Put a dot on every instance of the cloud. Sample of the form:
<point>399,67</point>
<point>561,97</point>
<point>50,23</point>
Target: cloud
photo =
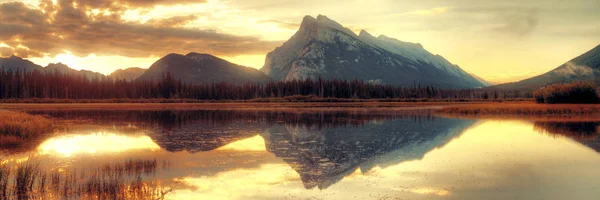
<point>70,25</point>
<point>279,23</point>
<point>518,22</point>
<point>432,11</point>
<point>173,21</point>
<point>133,3</point>
<point>573,69</point>
<point>6,51</point>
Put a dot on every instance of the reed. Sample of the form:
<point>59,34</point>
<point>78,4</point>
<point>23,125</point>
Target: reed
<point>25,178</point>
<point>18,127</point>
<point>4,179</point>
<point>522,109</point>
<point>124,180</point>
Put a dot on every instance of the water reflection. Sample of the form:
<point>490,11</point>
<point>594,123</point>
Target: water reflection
<point>584,132</point>
<point>68,145</point>
<point>323,156</point>
<point>356,154</point>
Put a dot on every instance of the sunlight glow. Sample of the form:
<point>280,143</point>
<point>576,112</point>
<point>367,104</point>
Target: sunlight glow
<point>231,184</point>
<point>15,160</point>
<point>256,143</point>
<point>97,63</point>
<point>70,145</point>
<point>427,191</point>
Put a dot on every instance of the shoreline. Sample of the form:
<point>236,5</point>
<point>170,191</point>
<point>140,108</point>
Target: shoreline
<point>222,105</point>
<point>450,109</point>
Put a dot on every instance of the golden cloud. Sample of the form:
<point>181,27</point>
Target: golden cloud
<point>70,25</point>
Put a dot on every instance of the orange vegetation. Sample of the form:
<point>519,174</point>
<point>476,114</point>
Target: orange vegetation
<point>17,127</point>
<point>577,92</point>
<point>522,109</point>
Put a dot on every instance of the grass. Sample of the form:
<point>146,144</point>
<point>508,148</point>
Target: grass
<point>4,179</point>
<point>109,181</point>
<point>18,127</point>
<point>522,109</point>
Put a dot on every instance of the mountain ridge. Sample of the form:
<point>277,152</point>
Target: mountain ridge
<point>322,48</point>
<point>17,63</point>
<point>131,73</point>
<point>198,68</point>
<point>585,67</point>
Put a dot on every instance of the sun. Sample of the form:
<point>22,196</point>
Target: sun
<point>68,59</point>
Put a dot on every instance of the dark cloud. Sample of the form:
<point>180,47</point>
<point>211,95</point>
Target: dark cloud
<point>60,27</point>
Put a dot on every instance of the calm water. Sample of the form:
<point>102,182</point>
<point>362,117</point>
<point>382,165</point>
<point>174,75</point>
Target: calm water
<point>323,154</point>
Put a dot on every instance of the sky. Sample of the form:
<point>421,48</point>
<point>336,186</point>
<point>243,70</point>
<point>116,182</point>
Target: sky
<point>500,41</point>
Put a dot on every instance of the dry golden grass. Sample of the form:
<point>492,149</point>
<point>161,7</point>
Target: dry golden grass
<point>17,127</point>
<point>522,109</point>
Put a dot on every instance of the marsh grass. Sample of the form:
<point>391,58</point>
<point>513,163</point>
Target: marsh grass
<point>125,180</point>
<point>25,179</point>
<point>522,109</point>
<point>18,127</point>
<point>4,179</point>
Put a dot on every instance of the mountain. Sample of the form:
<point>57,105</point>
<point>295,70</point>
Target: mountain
<point>64,69</point>
<point>323,48</point>
<point>581,68</point>
<point>17,63</point>
<point>14,63</point>
<point>202,68</point>
<point>483,81</point>
<point>127,74</point>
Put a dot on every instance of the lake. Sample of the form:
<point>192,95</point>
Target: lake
<point>326,153</point>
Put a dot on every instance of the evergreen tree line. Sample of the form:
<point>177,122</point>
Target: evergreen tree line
<point>22,84</point>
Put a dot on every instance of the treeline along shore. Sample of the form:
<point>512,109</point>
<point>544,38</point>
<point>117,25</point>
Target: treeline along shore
<point>56,87</point>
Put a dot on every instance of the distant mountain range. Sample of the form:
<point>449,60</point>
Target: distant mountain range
<point>15,63</point>
<point>127,74</point>
<point>323,48</point>
<point>202,68</point>
<point>585,67</point>
<point>483,81</point>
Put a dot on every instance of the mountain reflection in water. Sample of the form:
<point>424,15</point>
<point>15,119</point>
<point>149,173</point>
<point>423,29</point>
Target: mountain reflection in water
<point>330,154</point>
<point>323,156</point>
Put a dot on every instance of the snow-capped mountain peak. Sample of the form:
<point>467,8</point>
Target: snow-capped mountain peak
<point>324,48</point>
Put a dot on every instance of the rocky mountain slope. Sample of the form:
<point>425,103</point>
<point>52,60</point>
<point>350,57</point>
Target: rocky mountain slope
<point>323,48</point>
<point>585,67</point>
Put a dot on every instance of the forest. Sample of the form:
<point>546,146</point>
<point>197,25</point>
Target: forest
<point>56,85</point>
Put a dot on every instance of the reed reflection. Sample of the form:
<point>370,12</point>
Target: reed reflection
<point>585,132</point>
